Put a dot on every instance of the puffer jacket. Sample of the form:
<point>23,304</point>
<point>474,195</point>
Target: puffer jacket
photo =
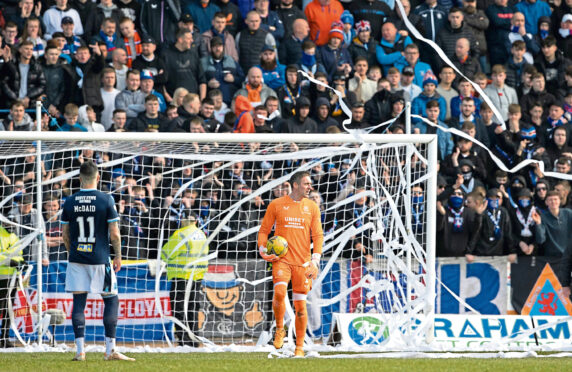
<point>36,80</point>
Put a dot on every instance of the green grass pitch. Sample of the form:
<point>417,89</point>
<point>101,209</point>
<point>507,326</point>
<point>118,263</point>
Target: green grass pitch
<point>259,362</point>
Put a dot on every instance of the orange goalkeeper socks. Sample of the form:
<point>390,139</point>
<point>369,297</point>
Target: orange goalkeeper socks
<point>301,322</point>
<point>278,305</point>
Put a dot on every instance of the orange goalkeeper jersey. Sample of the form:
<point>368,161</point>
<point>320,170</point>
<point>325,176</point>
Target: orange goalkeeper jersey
<point>299,222</point>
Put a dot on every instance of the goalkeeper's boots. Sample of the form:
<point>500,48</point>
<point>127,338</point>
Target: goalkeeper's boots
<point>279,338</point>
<point>79,357</point>
<point>116,355</point>
<point>299,352</point>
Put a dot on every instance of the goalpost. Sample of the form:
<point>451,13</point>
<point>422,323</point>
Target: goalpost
<point>379,250</point>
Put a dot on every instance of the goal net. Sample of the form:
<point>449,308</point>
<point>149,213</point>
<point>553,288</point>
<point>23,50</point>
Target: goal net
<point>375,193</point>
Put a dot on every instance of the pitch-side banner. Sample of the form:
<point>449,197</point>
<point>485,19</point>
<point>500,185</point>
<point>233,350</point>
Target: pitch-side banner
<point>139,316</point>
<point>460,332</point>
<point>234,299</point>
<point>482,285</point>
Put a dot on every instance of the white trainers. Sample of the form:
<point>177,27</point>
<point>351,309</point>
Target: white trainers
<point>79,357</point>
<point>116,355</point>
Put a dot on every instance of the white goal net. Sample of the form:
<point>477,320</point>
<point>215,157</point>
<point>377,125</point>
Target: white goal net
<point>375,193</point>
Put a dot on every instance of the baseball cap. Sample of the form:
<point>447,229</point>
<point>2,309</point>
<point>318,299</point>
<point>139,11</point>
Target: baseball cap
<point>267,47</point>
<point>148,40</point>
<point>67,20</point>
<point>567,18</point>
<point>339,76</point>
<point>408,70</point>
<point>146,74</point>
<point>186,18</point>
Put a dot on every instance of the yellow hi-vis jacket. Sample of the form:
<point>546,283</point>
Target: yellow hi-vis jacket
<point>183,251</point>
<point>8,251</point>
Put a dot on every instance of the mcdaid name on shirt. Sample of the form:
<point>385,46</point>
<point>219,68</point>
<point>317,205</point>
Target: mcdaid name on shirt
<point>84,208</point>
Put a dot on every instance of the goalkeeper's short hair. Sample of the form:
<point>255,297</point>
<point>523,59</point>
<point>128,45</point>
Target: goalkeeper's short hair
<point>296,177</point>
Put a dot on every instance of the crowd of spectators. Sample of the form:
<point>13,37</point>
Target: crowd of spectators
<point>233,66</point>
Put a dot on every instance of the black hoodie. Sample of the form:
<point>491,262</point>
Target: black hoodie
<point>298,125</point>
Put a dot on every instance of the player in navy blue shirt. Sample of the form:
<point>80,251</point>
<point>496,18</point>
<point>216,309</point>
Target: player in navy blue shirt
<point>90,225</point>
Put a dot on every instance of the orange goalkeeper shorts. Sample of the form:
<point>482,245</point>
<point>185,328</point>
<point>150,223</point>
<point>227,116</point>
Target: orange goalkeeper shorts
<point>283,272</point>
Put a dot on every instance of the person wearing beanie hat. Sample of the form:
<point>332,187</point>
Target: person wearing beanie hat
<point>430,78</point>
<point>337,30</point>
<point>362,25</point>
<point>347,20</point>
<point>391,48</point>
<point>363,44</point>
<point>334,57</point>
<point>429,93</point>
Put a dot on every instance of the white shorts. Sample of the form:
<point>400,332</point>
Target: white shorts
<point>91,278</point>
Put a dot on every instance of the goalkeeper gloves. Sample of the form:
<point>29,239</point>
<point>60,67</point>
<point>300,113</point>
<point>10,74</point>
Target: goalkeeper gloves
<point>313,267</point>
<point>265,256</point>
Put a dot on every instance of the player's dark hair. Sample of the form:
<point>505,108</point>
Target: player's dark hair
<point>88,171</point>
<point>296,177</point>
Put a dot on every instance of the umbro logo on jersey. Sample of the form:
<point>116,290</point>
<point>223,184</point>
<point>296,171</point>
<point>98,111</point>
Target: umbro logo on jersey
<point>286,207</point>
<point>154,6</point>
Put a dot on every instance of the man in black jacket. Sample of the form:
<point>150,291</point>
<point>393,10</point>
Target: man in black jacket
<point>60,81</point>
<point>495,236</point>
<point>150,61</point>
<point>301,122</point>
<point>552,64</point>
<point>288,14</point>
<point>378,108</point>
<point>182,62</point>
<point>322,115</point>
<point>27,66</point>
<point>89,70</point>
<point>159,19</point>
<point>453,31</point>
<point>290,49</point>
<point>457,226</point>
<point>149,120</point>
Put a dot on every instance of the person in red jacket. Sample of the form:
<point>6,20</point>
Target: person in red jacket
<point>244,122</point>
<point>321,14</point>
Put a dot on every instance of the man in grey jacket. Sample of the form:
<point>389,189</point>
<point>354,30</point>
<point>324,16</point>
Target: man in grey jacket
<point>553,235</point>
<point>132,100</point>
<point>500,94</point>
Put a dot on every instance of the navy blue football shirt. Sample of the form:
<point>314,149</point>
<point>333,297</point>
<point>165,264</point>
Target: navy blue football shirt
<point>88,213</point>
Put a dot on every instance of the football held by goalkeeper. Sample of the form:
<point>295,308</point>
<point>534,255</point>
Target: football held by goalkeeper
<point>297,219</point>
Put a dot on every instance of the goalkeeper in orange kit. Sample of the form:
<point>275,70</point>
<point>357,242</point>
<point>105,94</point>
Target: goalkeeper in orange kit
<point>298,220</point>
